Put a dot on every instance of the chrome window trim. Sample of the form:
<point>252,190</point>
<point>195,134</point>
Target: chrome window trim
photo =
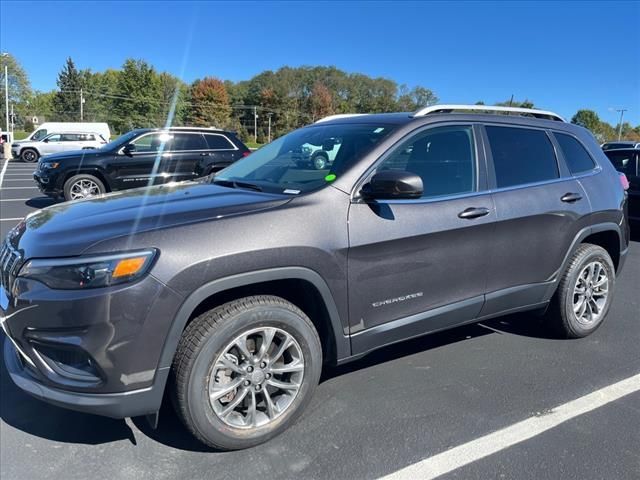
<point>134,154</point>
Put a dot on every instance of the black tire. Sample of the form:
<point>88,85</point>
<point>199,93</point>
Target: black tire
<point>29,155</point>
<point>560,316</point>
<point>320,161</point>
<point>203,343</point>
<point>72,181</point>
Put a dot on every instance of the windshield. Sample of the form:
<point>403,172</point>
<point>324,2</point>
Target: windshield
<point>304,160</point>
<point>120,141</point>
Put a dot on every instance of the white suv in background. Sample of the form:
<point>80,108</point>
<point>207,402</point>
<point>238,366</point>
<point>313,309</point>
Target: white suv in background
<point>30,151</point>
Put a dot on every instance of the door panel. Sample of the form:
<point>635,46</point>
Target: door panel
<point>538,216</point>
<point>187,148</point>
<point>407,257</point>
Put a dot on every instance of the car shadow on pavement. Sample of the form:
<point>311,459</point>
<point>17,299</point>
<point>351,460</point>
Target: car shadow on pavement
<point>41,202</point>
<point>32,416</point>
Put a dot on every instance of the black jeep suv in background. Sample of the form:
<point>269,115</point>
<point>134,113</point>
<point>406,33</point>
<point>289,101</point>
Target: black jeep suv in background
<point>230,293</point>
<point>139,158</point>
<point>627,161</point>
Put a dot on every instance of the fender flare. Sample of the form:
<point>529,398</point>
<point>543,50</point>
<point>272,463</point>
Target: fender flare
<point>342,342</point>
<point>580,236</point>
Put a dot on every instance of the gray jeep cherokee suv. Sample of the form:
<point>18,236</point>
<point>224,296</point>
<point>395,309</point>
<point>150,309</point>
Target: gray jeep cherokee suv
<point>230,293</point>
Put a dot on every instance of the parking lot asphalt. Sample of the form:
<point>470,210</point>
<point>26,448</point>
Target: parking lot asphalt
<point>399,406</point>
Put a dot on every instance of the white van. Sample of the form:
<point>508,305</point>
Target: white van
<point>62,127</point>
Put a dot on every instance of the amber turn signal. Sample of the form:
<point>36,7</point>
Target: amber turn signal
<point>128,266</point>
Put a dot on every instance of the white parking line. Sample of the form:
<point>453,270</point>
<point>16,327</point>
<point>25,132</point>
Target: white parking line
<point>2,172</point>
<point>10,219</point>
<point>19,188</point>
<point>14,199</point>
<point>479,448</point>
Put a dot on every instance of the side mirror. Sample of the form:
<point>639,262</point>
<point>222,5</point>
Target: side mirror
<point>129,148</point>
<point>46,140</point>
<point>393,184</point>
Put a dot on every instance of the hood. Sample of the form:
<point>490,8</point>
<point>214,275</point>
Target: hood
<point>70,228</point>
<point>73,154</point>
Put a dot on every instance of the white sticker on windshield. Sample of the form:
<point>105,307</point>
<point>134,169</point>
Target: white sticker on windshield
<point>378,130</point>
<point>291,192</point>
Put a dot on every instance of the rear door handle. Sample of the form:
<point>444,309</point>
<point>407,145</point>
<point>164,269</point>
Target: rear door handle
<point>473,212</point>
<point>571,197</point>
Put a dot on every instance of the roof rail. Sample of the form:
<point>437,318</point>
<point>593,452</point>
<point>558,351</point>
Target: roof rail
<point>339,115</point>
<point>490,109</point>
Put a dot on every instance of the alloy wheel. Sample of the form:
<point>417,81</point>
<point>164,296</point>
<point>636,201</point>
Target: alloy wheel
<point>84,188</point>
<point>590,293</point>
<point>256,378</point>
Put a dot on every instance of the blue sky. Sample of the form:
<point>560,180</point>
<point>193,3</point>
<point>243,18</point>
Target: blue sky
<point>563,56</point>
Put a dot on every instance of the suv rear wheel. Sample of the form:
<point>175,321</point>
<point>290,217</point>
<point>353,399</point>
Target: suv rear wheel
<point>584,294</point>
<point>245,371</point>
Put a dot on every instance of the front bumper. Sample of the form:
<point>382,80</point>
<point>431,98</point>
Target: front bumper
<point>47,184</point>
<point>95,351</point>
<point>115,405</point>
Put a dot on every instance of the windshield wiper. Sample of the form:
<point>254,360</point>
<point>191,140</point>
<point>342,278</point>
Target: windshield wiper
<point>236,184</point>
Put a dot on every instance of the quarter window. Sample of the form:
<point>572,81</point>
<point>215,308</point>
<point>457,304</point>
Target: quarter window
<point>218,142</point>
<point>443,157</point>
<point>521,156</point>
<point>577,158</point>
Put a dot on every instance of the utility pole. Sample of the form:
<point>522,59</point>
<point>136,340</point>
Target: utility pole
<point>621,110</point>
<point>81,105</point>
<point>255,125</point>
<point>12,120</point>
<point>6,96</point>
<point>269,136</point>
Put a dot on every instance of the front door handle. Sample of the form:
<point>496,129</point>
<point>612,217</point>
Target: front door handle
<point>473,212</point>
<point>571,197</point>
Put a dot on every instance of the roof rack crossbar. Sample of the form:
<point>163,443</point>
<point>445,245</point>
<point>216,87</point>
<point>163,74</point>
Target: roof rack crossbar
<point>488,108</point>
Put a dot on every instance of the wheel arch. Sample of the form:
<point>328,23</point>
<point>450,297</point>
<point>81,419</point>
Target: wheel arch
<point>301,286</point>
<point>88,171</point>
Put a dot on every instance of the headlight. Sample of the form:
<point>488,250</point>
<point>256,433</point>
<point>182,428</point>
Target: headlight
<point>49,165</point>
<point>89,272</point>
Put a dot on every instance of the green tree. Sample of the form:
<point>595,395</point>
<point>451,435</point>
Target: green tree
<point>210,103</point>
<point>418,97</point>
<point>587,119</point>
<point>19,87</point>
<point>526,103</point>
<point>66,103</point>
<point>139,98</point>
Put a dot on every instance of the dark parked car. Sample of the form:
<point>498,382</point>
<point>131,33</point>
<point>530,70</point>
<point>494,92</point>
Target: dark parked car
<point>627,161</point>
<point>139,158</point>
<point>230,293</point>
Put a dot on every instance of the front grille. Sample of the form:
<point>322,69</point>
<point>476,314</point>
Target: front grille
<point>10,262</point>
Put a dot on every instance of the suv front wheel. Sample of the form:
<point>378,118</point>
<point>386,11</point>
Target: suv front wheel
<point>584,294</point>
<point>245,371</point>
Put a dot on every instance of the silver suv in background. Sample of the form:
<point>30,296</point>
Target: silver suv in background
<point>30,151</point>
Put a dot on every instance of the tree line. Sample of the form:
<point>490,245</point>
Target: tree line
<point>137,95</point>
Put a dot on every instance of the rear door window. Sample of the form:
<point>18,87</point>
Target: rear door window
<point>218,142</point>
<point>521,156</point>
<point>188,141</point>
<point>577,158</point>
